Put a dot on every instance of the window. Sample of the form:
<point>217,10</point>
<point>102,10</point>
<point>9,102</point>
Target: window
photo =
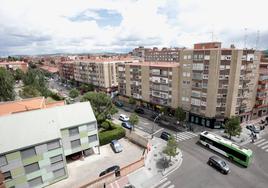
<point>91,127</point>
<point>31,168</point>
<point>35,182</point>
<point>7,175</point>
<point>75,143</point>
<point>3,161</point>
<point>56,159</point>
<point>92,138</point>
<point>53,145</point>
<point>59,173</point>
<point>28,153</point>
<point>73,131</point>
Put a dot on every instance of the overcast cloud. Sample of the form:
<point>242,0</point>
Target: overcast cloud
<point>54,26</point>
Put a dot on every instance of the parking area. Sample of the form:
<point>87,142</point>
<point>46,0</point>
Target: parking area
<point>87,169</point>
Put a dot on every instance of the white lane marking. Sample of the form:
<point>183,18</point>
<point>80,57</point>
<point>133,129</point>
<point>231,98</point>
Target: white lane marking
<point>162,180</point>
<point>158,131</point>
<point>192,134</point>
<point>259,141</point>
<point>264,147</point>
<point>266,150</point>
<point>171,186</point>
<point>262,144</point>
<point>165,184</point>
<point>185,136</point>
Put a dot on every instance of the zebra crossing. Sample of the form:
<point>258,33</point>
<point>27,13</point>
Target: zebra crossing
<point>165,183</point>
<point>184,136</point>
<point>262,144</point>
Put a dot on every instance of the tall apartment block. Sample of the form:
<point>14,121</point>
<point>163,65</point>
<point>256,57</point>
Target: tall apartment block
<point>66,70</point>
<point>210,82</point>
<point>43,139</point>
<point>261,105</point>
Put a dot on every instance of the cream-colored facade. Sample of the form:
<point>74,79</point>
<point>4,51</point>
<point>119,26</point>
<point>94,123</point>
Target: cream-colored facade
<point>211,84</point>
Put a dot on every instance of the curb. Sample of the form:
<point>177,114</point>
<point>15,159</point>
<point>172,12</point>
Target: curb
<point>172,169</point>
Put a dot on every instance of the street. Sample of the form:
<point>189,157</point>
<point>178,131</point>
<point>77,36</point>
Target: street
<point>196,173</point>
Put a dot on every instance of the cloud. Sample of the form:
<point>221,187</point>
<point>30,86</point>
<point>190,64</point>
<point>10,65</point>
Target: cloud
<point>35,26</point>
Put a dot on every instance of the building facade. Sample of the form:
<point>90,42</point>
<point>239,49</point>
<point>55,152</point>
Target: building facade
<point>13,65</point>
<point>210,83</point>
<point>66,70</point>
<point>163,55</point>
<point>38,157</point>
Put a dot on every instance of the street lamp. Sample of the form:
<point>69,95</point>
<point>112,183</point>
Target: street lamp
<point>157,117</point>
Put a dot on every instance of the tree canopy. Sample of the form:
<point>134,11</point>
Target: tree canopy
<point>232,127</point>
<point>74,93</point>
<point>131,100</point>
<point>18,74</point>
<point>134,119</point>
<point>86,88</point>
<point>101,104</point>
<point>171,148</point>
<point>29,92</point>
<point>7,83</point>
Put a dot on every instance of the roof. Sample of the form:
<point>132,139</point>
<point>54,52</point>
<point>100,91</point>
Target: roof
<point>49,69</point>
<point>12,107</point>
<point>30,128</point>
<point>155,64</point>
<point>13,63</point>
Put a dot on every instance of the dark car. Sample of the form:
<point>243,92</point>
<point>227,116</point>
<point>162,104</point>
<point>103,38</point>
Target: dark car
<point>114,168</point>
<point>154,116</point>
<point>219,164</point>
<point>127,125</point>
<point>139,111</point>
<point>165,135</point>
<point>252,128</point>
<point>118,104</point>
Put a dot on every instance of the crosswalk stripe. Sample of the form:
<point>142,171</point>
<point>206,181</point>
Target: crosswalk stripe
<point>165,184</point>
<point>192,134</point>
<point>162,180</point>
<point>262,143</point>
<point>266,150</point>
<point>171,186</point>
<point>259,141</point>
<point>184,136</point>
<point>264,147</point>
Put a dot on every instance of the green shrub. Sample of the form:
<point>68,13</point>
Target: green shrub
<point>105,125</point>
<point>55,96</point>
<point>107,136</point>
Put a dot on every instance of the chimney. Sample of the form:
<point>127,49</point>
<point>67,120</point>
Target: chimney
<point>232,46</point>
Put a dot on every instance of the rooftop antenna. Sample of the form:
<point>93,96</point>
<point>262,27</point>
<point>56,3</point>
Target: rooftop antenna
<point>257,39</point>
<point>245,38</point>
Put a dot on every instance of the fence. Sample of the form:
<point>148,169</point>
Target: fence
<point>109,178</point>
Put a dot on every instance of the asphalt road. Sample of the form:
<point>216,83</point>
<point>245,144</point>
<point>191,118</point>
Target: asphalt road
<point>195,173</point>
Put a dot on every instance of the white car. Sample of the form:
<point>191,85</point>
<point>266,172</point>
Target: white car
<point>123,117</point>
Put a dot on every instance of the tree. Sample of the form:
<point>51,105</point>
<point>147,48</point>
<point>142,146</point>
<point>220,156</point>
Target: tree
<point>232,127</point>
<point>171,148</point>
<point>7,83</point>
<point>74,93</point>
<point>131,100</point>
<point>101,104</point>
<point>180,115</point>
<point>134,120</point>
<point>86,88</point>
<point>29,92</point>
<point>36,79</point>
<point>18,74</point>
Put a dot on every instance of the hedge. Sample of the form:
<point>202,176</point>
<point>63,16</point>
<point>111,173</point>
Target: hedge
<point>107,136</point>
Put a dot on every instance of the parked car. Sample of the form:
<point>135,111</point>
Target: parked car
<point>123,117</point>
<point>114,168</point>
<point>219,164</point>
<point>165,135</point>
<point>127,125</point>
<point>139,111</point>
<point>252,128</point>
<point>116,146</point>
<point>153,116</point>
<point>118,104</point>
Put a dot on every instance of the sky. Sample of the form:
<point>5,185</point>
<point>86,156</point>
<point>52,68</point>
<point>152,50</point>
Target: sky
<point>30,27</point>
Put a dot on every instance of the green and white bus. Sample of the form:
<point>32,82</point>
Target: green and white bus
<point>227,148</point>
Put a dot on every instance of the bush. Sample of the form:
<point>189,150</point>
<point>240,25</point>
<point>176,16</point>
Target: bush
<point>107,136</point>
<point>55,96</point>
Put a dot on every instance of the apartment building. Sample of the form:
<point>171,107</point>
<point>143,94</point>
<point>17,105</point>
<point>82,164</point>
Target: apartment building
<point>66,70</point>
<point>13,65</point>
<point>101,72</point>
<point>162,55</point>
<point>261,105</point>
<point>212,83</point>
<point>43,140</point>
<point>150,82</point>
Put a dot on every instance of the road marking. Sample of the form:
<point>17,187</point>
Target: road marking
<point>171,186</point>
<point>158,131</point>
<point>262,143</point>
<point>162,180</point>
<point>192,133</point>
<point>184,136</point>
<point>264,147</point>
<point>259,141</point>
<point>266,150</point>
<point>165,184</point>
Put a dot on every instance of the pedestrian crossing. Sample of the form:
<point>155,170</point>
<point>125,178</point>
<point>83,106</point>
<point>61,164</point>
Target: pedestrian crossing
<point>165,183</point>
<point>184,136</point>
<point>262,144</point>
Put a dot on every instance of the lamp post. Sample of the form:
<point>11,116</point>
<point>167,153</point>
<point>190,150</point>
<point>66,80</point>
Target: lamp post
<point>157,117</point>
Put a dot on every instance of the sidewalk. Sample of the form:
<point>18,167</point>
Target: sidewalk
<point>154,169</point>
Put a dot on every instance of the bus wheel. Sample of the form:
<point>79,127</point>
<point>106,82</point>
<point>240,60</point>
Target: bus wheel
<point>231,158</point>
<point>207,145</point>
